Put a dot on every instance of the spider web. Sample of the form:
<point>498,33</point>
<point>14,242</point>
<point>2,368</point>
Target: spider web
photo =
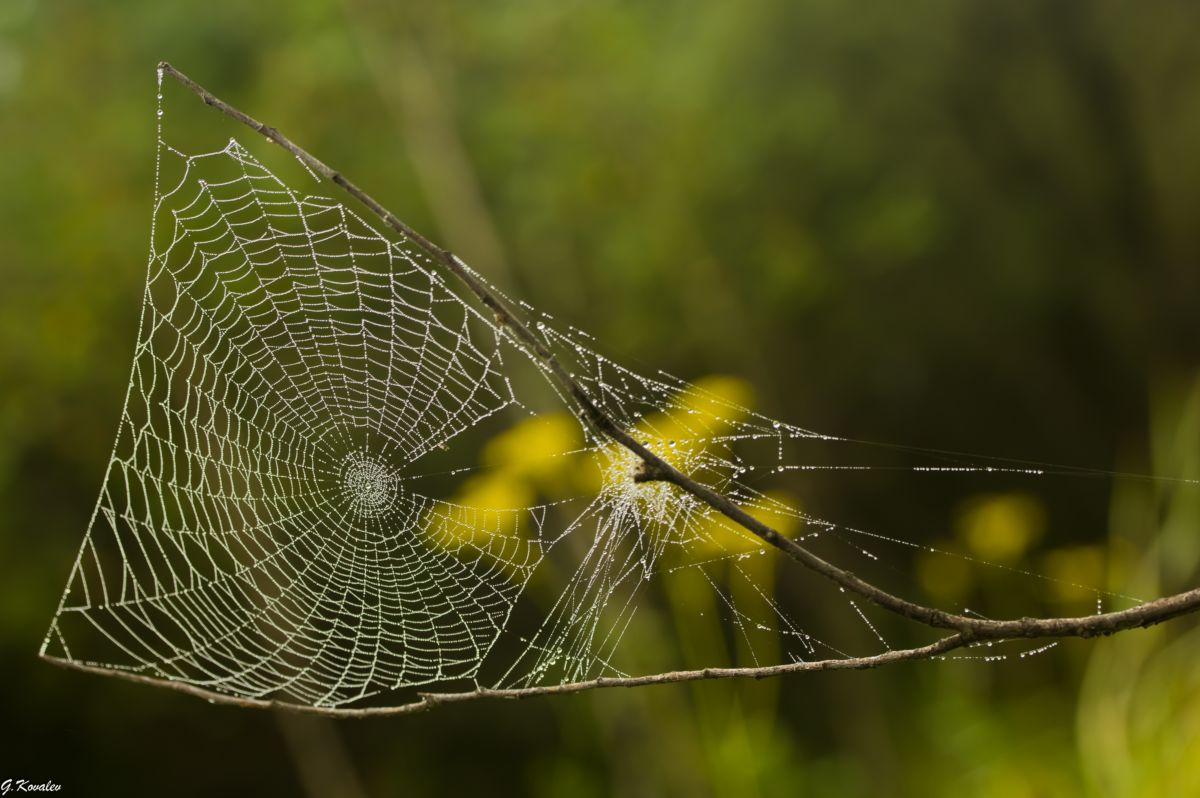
<point>278,518</point>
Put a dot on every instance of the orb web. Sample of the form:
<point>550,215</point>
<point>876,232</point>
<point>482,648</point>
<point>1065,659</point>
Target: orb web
<point>270,523</point>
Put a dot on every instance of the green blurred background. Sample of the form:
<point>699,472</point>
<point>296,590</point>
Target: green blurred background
<point>959,225</point>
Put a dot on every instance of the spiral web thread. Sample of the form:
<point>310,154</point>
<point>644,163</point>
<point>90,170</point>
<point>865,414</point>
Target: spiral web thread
<point>262,529</point>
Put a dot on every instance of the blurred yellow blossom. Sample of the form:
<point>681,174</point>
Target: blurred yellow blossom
<point>534,449</point>
<point>1001,527</point>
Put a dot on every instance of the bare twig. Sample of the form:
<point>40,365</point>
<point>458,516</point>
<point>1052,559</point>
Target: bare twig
<point>966,630</point>
<point>427,701</point>
<point>1148,614</point>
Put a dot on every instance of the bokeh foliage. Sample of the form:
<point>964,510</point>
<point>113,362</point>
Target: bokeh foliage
<point>955,224</point>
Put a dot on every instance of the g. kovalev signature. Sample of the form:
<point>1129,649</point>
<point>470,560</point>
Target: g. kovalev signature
<point>25,785</point>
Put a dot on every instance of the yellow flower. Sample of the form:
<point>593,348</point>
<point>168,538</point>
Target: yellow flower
<point>1000,528</point>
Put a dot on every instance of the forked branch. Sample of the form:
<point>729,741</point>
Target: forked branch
<point>964,630</point>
